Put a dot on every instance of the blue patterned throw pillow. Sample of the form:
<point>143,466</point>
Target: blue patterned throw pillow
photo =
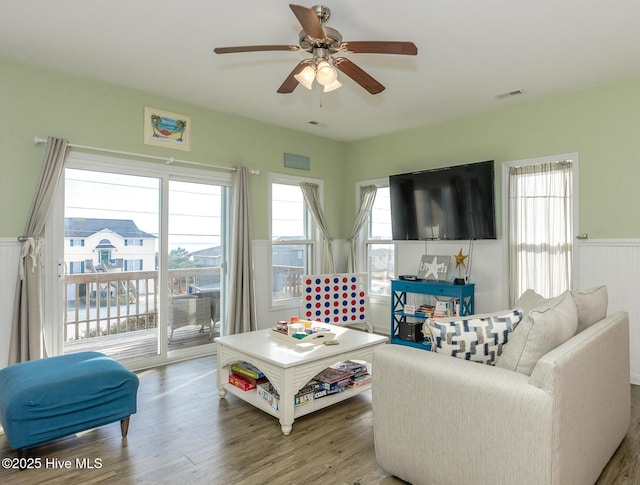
<point>479,338</point>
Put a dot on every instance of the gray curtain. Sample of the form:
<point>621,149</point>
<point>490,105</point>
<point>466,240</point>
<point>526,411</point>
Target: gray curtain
<point>27,339</point>
<point>311,195</point>
<point>242,295</point>
<point>367,197</point>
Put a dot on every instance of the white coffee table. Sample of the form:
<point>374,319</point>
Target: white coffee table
<point>289,368</point>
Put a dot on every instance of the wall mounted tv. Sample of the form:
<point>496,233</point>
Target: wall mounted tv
<point>455,203</point>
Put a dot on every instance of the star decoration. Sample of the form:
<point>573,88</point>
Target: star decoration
<point>432,269</point>
<point>460,259</point>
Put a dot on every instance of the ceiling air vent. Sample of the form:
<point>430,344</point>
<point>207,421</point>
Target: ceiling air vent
<point>509,94</point>
<point>319,124</point>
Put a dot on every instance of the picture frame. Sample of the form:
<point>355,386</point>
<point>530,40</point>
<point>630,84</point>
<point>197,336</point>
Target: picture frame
<point>167,129</point>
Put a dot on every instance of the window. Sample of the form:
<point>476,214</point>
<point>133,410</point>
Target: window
<point>378,244</point>
<point>76,267</point>
<point>133,242</point>
<point>133,264</point>
<point>540,207</point>
<point>292,242</point>
<point>76,243</point>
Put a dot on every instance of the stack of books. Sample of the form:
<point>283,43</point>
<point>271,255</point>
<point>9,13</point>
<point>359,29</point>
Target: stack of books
<point>269,394</point>
<point>340,376</point>
<point>426,310</point>
<point>447,307</point>
<point>245,376</point>
<point>334,379</point>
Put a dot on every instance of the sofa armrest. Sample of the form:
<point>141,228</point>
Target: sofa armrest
<point>589,376</point>
<point>439,419</point>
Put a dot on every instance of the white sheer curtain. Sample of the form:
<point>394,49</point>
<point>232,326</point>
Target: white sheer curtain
<point>242,299</point>
<point>311,195</point>
<point>27,339</point>
<point>367,198</point>
<point>540,228</point>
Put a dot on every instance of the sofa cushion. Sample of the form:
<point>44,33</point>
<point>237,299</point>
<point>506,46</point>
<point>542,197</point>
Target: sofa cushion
<point>529,300</point>
<point>591,304</point>
<point>479,338</point>
<point>545,327</point>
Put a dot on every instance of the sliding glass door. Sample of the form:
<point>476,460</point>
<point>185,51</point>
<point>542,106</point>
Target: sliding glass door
<point>111,294</point>
<point>195,261</point>
<point>144,249</point>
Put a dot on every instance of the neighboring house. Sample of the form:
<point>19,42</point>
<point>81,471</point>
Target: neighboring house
<point>381,260</point>
<point>107,245</point>
<point>206,258</point>
<point>288,256</point>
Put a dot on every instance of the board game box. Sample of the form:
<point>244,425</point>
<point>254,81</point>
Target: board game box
<point>242,382</point>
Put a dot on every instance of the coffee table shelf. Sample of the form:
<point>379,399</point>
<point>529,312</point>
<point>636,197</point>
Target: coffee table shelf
<point>255,400</point>
<point>289,369</point>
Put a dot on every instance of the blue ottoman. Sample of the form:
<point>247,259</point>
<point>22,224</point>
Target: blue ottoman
<point>41,400</point>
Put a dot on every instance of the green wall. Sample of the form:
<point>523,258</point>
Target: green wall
<point>40,102</point>
<point>601,123</point>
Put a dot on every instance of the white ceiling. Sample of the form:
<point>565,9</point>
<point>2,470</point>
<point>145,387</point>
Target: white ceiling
<point>469,51</point>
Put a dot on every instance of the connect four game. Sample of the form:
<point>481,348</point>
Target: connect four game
<point>338,299</point>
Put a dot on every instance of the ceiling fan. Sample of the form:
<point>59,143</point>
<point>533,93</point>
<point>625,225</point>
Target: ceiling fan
<point>323,42</point>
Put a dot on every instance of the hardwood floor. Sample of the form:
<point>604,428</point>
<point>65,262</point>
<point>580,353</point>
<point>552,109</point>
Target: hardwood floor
<point>184,433</point>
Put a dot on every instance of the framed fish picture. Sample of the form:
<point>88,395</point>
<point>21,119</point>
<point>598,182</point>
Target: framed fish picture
<point>165,129</point>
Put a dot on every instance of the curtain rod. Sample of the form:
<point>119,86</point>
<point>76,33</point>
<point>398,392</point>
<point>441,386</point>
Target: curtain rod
<point>168,160</point>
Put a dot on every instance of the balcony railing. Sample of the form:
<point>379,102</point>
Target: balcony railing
<point>287,282</point>
<point>117,302</point>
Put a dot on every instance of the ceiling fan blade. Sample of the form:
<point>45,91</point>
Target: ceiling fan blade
<point>255,48</point>
<point>290,83</point>
<point>380,47</point>
<point>358,75</point>
<point>309,21</point>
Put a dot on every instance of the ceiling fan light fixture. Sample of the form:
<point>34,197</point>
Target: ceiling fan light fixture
<point>306,77</point>
<point>326,74</point>
<point>323,42</point>
<point>333,86</point>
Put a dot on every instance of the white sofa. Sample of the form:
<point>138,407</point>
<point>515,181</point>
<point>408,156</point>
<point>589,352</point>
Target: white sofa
<point>443,420</point>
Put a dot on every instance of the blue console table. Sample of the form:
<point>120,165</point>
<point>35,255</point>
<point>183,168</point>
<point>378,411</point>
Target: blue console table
<point>401,288</point>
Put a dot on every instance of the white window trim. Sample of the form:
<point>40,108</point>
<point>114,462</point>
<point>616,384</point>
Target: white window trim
<point>280,178</point>
<point>505,207</point>
<point>362,235</point>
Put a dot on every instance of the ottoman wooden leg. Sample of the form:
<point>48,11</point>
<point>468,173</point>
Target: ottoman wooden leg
<point>124,426</point>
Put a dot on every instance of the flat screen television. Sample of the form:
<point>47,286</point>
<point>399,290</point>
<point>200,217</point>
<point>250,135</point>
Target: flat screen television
<point>455,203</point>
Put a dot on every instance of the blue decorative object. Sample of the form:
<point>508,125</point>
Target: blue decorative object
<point>411,323</point>
<point>46,399</point>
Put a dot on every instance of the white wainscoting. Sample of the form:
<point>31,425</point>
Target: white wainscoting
<point>9,255</point>
<point>486,272</point>
<point>616,264</point>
